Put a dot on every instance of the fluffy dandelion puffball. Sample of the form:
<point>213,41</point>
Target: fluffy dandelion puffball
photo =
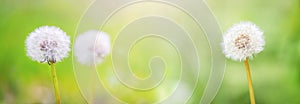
<point>47,44</point>
<point>91,47</point>
<point>243,40</point>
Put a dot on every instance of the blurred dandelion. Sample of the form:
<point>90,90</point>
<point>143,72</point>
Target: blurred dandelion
<point>48,44</point>
<point>241,42</point>
<point>91,47</point>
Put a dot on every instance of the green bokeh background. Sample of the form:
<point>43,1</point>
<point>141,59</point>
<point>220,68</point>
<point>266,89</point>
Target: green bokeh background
<point>275,71</point>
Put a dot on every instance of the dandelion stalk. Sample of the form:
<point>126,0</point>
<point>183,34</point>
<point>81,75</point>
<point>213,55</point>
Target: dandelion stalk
<point>93,85</point>
<point>251,91</point>
<point>55,83</point>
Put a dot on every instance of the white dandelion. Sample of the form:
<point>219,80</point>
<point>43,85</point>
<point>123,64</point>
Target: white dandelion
<point>91,47</point>
<point>47,44</point>
<point>242,41</point>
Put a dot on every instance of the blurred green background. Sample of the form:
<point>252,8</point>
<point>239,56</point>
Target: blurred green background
<point>275,71</point>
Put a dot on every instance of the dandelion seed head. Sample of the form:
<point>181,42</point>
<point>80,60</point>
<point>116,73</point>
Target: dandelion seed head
<point>242,41</point>
<point>47,44</point>
<point>91,47</point>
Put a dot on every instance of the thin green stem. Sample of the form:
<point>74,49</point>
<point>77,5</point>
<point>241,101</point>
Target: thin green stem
<point>55,83</point>
<point>93,85</point>
<point>251,91</point>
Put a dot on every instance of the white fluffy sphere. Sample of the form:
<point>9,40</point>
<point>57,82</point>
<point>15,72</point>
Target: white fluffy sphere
<point>243,40</point>
<point>47,44</point>
<point>91,47</point>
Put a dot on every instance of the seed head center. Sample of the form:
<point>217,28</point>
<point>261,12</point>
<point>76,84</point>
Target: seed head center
<point>242,41</point>
<point>48,45</point>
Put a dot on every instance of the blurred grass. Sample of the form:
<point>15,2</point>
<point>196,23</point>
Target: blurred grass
<point>275,71</point>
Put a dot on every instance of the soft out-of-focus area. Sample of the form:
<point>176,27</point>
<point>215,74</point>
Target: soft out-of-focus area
<point>275,71</point>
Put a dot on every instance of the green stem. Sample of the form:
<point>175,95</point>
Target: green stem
<point>55,83</point>
<point>93,85</point>
<point>251,91</point>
